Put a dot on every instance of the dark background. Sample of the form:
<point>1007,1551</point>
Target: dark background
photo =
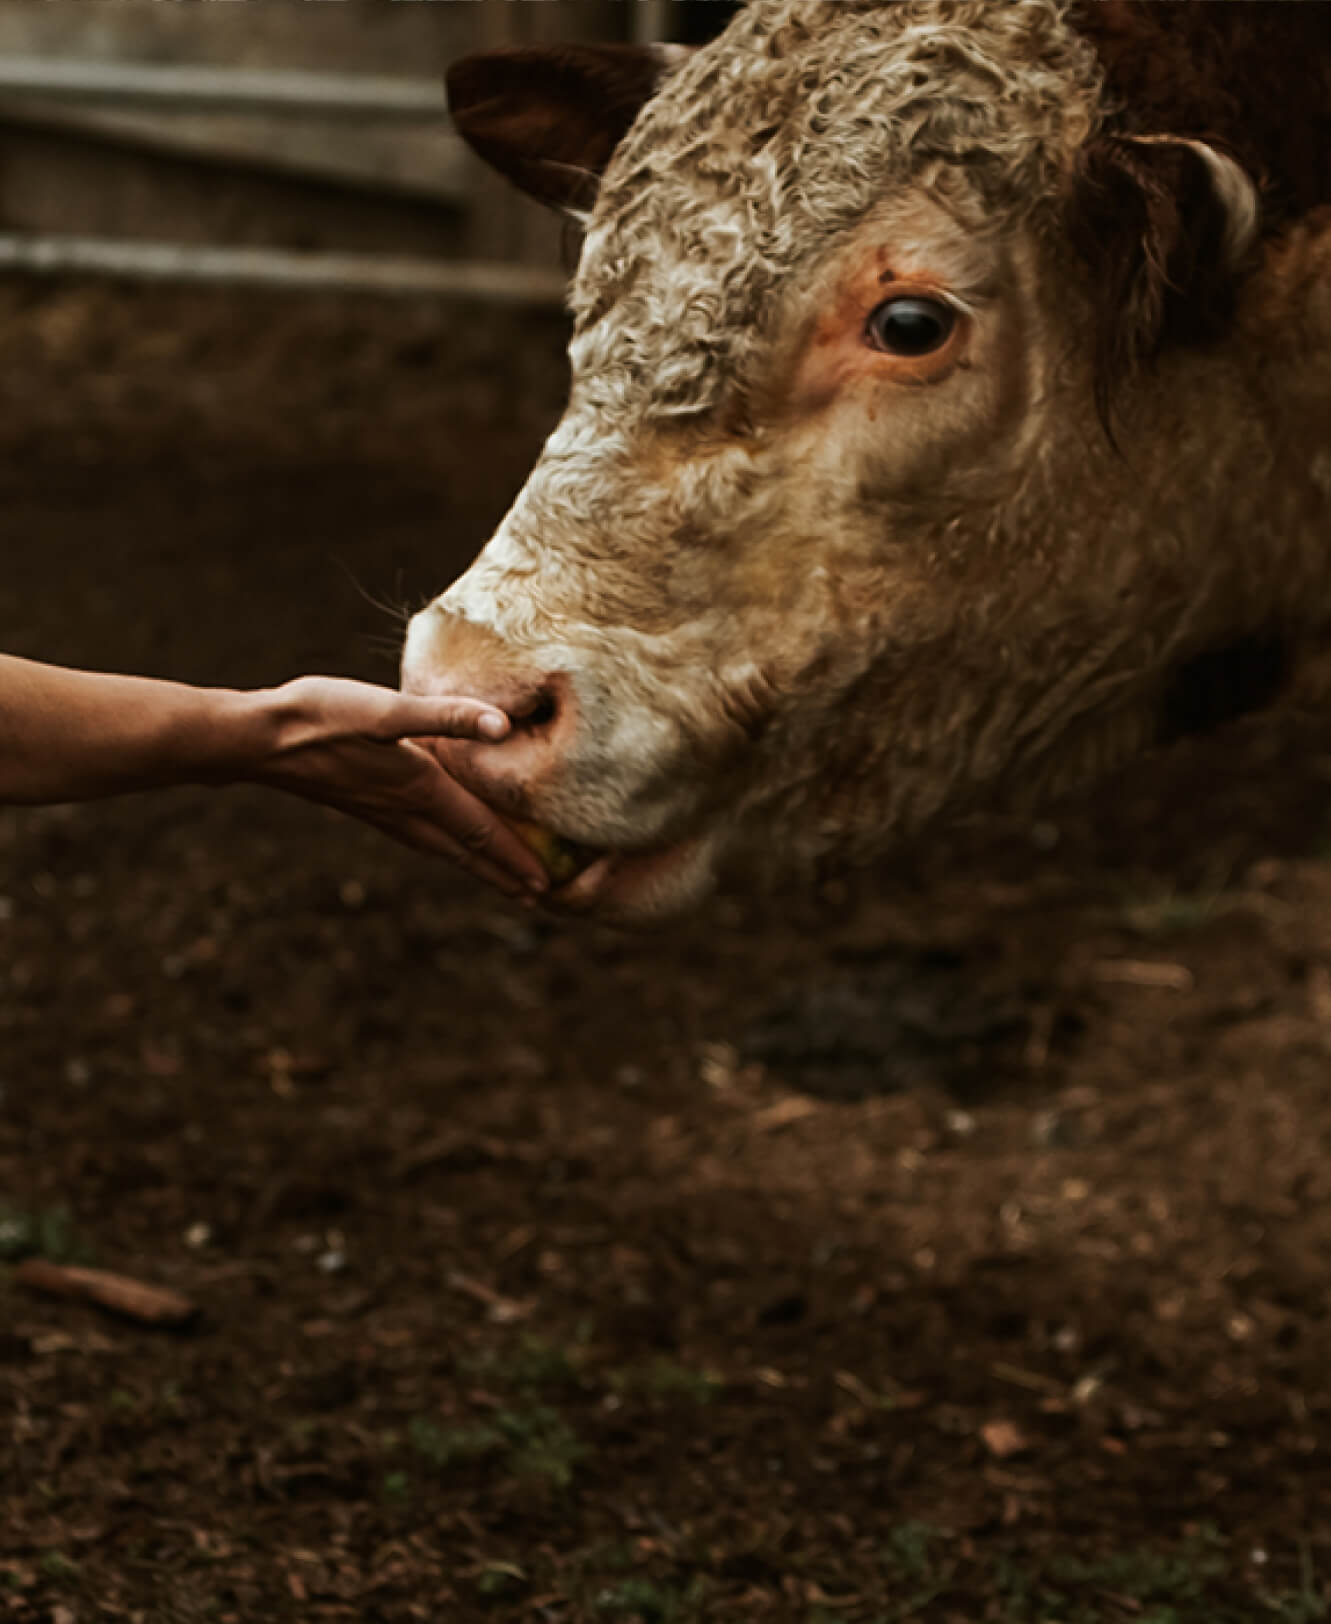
<point>946,1242</point>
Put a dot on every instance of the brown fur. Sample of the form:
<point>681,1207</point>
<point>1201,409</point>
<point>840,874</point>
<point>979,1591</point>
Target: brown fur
<point>1253,78</point>
<point>575,105</point>
<point>1256,86</point>
<point>807,595</point>
<point>1146,219</point>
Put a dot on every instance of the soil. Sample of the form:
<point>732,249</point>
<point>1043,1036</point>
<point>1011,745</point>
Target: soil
<point>948,1243</point>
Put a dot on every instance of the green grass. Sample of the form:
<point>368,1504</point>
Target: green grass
<point>1190,1582</point>
<point>1167,1577</point>
<point>924,1574</point>
<point>541,1444</point>
<point>533,1365</point>
<point>910,1548</point>
<point>1151,1586</point>
<point>56,1565</point>
<point>1173,913</point>
<point>1306,1604</point>
<point>650,1600</point>
<point>49,1234</point>
<point>447,1447</point>
<point>919,1568</point>
<point>166,1404</point>
<point>532,1442</point>
<point>665,1378</point>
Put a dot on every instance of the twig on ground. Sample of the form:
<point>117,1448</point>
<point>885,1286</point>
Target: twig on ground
<point>150,1305</point>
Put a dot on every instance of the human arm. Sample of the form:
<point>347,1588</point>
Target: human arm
<point>78,735</point>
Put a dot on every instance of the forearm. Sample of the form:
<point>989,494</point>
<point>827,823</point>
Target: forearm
<point>75,735</point>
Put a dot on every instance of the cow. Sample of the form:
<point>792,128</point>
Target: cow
<point>949,421</point>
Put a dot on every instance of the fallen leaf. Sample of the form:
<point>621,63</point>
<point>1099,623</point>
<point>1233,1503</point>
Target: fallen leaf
<point>1142,973</point>
<point>502,1310</point>
<point>1003,1438</point>
<point>784,1112</point>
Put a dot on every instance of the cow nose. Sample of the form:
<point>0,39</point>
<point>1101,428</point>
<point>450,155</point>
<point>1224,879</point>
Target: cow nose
<point>514,773</point>
<point>540,711</point>
<point>445,654</point>
<point>542,718</point>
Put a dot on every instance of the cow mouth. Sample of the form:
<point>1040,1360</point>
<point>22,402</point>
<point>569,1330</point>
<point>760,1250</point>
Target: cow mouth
<point>563,860</point>
<point>638,885</point>
<point>625,885</point>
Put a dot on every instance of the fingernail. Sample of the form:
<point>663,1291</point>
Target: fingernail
<point>493,725</point>
<point>539,883</point>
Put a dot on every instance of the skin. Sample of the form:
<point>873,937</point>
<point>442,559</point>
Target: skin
<point>80,735</point>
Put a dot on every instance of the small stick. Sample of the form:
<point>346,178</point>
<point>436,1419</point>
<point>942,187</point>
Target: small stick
<point>1141,973</point>
<point>151,1305</point>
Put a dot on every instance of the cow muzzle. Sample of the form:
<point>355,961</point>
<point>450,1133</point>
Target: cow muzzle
<point>548,779</point>
<point>445,654</point>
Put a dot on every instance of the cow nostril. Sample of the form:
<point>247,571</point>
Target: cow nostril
<point>543,710</point>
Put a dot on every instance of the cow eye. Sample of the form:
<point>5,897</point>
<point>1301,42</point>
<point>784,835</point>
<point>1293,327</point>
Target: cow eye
<point>910,326</point>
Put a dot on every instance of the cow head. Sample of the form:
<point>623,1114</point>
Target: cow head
<point>908,449</point>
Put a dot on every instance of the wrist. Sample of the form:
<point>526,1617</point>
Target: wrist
<point>236,735</point>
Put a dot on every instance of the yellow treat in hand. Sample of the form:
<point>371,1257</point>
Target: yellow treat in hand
<point>562,859</point>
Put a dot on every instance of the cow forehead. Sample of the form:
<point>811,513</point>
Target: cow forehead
<point>773,141</point>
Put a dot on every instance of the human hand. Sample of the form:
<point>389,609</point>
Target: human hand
<point>349,745</point>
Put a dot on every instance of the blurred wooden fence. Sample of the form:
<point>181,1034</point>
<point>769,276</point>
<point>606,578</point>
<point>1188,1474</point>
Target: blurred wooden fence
<point>297,145</point>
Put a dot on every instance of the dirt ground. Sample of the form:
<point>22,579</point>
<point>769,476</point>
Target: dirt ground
<point>950,1244</point>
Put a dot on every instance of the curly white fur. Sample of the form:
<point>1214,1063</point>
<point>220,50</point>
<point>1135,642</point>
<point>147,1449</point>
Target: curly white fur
<point>758,155</point>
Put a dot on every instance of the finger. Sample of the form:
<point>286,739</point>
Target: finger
<point>423,836</point>
<point>482,868</point>
<point>402,787</point>
<point>450,716</point>
<point>478,832</point>
<point>500,879</point>
<point>472,824</point>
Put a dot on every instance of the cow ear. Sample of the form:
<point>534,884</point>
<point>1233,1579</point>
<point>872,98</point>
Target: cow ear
<point>1165,226</point>
<point>548,118</point>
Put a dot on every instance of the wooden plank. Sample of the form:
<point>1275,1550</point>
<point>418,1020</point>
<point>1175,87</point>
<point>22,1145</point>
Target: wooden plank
<point>66,183</point>
<point>280,268</point>
<point>245,89</point>
<point>651,22</point>
<point>427,164</point>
